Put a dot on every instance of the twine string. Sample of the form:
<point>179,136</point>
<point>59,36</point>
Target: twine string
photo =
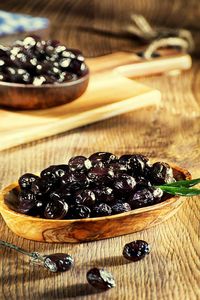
<point>159,37</point>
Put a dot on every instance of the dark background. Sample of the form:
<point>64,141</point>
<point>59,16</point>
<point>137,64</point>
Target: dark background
<point>79,22</point>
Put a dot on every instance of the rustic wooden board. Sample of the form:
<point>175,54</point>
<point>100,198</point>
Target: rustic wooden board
<point>108,94</point>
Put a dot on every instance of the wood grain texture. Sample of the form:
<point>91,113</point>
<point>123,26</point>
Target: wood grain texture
<point>170,133</point>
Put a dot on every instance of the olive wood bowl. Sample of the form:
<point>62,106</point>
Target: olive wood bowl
<point>27,96</point>
<point>82,230</point>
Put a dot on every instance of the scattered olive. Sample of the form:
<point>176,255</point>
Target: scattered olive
<point>136,250</point>
<point>58,262</point>
<point>100,279</point>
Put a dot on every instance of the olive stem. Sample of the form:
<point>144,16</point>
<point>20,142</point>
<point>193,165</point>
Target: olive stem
<point>33,255</point>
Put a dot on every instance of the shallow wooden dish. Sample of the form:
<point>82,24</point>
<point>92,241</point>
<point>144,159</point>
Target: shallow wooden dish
<point>82,230</point>
<point>27,96</point>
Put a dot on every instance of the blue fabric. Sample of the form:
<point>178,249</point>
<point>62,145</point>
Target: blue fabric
<point>11,23</point>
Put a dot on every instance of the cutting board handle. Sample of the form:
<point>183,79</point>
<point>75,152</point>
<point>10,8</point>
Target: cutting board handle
<point>156,66</point>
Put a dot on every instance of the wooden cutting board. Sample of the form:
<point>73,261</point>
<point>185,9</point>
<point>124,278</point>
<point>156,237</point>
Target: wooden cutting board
<point>109,93</point>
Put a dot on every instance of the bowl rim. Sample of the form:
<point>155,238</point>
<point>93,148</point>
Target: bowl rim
<point>13,185</point>
<point>48,85</point>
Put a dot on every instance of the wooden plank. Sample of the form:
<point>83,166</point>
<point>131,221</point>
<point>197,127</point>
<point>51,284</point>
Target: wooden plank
<point>108,94</point>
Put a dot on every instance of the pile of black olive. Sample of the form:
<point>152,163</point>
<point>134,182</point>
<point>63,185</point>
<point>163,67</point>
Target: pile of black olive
<point>101,185</point>
<point>35,61</point>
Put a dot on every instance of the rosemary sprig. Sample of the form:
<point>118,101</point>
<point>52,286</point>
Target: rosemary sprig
<point>184,183</point>
<point>181,188</point>
<point>181,191</point>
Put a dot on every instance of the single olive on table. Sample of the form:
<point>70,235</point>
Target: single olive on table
<point>100,279</point>
<point>57,262</point>
<point>98,186</point>
<point>35,73</point>
<point>136,250</point>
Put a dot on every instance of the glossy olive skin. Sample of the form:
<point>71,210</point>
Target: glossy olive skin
<point>56,209</point>
<point>38,62</point>
<point>100,279</point>
<point>26,181</point>
<point>58,262</point>
<point>96,186</point>
<point>136,250</point>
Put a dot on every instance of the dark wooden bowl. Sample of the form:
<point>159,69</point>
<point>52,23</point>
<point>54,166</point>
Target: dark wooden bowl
<point>27,96</point>
<point>82,230</point>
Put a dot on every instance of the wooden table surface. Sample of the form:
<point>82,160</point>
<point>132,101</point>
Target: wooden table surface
<point>170,133</point>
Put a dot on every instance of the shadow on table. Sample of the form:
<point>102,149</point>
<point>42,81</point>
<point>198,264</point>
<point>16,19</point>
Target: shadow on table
<point>72,291</point>
<point>110,261</point>
<point>27,276</point>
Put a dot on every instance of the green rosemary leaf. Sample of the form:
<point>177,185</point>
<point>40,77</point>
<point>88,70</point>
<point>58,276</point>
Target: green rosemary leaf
<point>181,191</point>
<point>184,183</point>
